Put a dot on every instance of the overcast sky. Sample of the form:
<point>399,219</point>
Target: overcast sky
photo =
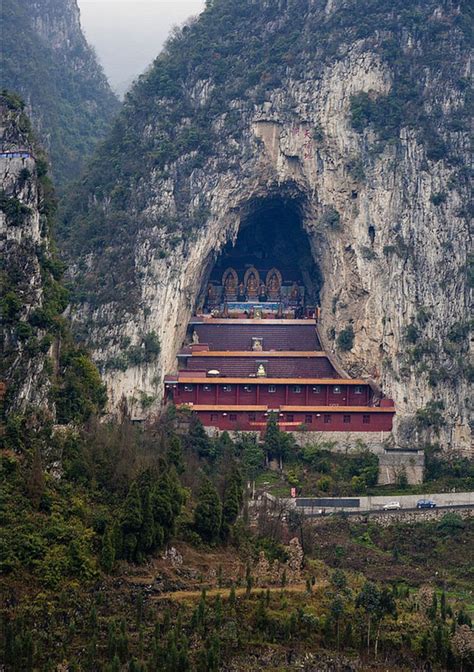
<point>127,34</point>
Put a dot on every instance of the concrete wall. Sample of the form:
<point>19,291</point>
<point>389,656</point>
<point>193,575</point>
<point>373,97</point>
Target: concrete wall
<point>394,464</point>
<point>406,501</point>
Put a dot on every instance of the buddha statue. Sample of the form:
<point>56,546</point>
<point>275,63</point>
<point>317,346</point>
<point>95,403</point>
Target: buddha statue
<point>261,373</point>
<point>274,287</point>
<point>295,293</point>
<point>241,292</point>
<point>230,286</point>
<point>252,286</point>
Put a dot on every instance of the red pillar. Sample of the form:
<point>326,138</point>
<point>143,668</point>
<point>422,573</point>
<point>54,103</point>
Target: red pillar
<point>196,395</point>
<point>306,390</point>
<point>258,394</point>
<point>286,395</point>
<point>238,395</point>
<point>327,396</point>
<point>217,394</point>
<point>347,394</point>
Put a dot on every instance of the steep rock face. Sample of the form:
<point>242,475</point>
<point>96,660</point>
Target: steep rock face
<point>46,59</point>
<point>25,259</point>
<point>45,373</point>
<point>357,115</point>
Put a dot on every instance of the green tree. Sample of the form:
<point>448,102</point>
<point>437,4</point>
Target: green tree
<point>36,484</point>
<point>276,443</point>
<point>233,500</point>
<point>175,454</point>
<point>208,513</point>
<point>132,520</point>
<point>336,610</point>
<point>198,441</point>
<point>107,555</point>
<point>252,458</point>
<point>147,536</point>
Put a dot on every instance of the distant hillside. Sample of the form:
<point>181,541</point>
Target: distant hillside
<point>46,59</point>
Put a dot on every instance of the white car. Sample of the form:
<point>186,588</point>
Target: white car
<point>391,506</point>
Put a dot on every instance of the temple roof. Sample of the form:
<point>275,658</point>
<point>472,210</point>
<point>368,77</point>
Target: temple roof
<point>289,409</point>
<point>191,377</point>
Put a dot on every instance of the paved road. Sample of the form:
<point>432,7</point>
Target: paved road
<point>362,512</point>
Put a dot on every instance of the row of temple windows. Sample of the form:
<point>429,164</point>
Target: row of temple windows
<point>297,389</point>
<point>289,417</point>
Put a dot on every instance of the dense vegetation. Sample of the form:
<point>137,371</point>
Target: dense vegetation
<point>70,99</point>
<point>87,514</point>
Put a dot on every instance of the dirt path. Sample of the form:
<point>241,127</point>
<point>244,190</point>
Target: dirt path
<point>184,595</point>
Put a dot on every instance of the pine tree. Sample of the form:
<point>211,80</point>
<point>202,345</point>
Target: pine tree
<point>147,536</point>
<point>198,441</point>
<point>276,443</point>
<point>443,606</point>
<point>131,522</point>
<point>35,483</point>
<point>208,513</point>
<point>252,458</point>
<point>232,597</point>
<point>218,612</point>
<point>175,454</point>
<point>230,509</point>
<point>433,609</point>
<point>107,554</point>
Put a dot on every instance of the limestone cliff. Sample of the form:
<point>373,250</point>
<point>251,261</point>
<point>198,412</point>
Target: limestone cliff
<point>355,113</point>
<point>45,58</point>
<point>42,368</point>
<point>25,250</point>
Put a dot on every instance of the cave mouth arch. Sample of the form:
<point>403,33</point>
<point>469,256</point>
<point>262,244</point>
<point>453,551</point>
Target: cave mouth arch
<point>272,246</point>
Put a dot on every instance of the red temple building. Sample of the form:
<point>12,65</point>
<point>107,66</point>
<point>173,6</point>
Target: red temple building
<point>255,350</point>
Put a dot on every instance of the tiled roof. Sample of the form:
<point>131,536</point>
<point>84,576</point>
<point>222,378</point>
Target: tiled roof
<point>233,336</point>
<point>281,367</point>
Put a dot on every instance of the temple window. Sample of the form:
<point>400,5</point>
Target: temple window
<point>206,388</point>
<point>227,388</point>
<point>308,419</point>
<point>247,388</point>
<point>336,389</point>
<point>290,417</point>
<point>252,417</point>
<point>327,419</point>
<point>272,389</point>
<point>316,389</point>
<point>213,417</point>
<point>347,419</point>
<point>359,389</point>
<point>297,389</point>
<point>188,388</point>
<point>233,417</point>
<point>366,419</point>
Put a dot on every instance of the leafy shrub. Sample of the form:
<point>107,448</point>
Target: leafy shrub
<point>345,339</point>
<point>431,417</point>
<point>411,333</point>
<point>330,218</point>
<point>438,198</point>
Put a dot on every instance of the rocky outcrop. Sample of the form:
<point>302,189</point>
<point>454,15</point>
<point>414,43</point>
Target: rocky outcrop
<point>356,117</point>
<point>26,254</point>
<point>46,59</point>
<point>45,374</point>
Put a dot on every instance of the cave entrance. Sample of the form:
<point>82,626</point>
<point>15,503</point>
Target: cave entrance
<point>269,271</point>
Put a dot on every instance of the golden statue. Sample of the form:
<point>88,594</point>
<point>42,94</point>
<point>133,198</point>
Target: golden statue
<point>261,373</point>
<point>252,286</point>
<point>295,292</point>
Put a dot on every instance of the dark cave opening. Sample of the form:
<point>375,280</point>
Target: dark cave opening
<point>270,261</point>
